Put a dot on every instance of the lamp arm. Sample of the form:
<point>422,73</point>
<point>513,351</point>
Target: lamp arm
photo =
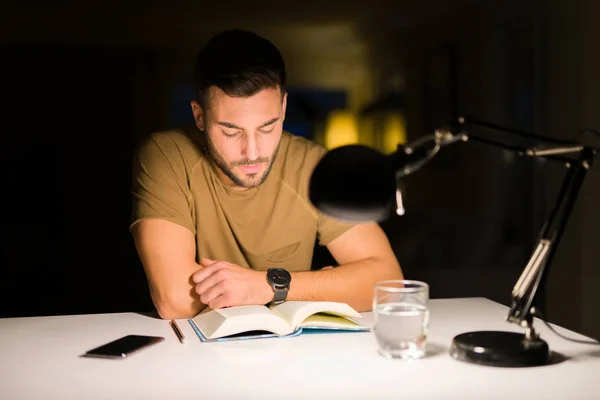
<point>551,154</point>
<point>473,121</point>
<point>524,292</point>
<point>411,157</point>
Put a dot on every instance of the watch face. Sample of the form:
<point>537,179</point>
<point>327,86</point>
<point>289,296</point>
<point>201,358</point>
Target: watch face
<point>279,276</point>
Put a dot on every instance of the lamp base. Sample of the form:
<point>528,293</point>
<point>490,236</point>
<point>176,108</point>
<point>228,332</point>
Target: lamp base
<point>500,349</point>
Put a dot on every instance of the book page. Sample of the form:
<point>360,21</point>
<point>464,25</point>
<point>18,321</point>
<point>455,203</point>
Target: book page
<point>229,321</point>
<point>295,312</point>
<point>327,321</point>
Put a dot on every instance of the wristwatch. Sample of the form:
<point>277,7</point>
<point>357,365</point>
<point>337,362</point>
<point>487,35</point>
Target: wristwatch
<point>279,279</point>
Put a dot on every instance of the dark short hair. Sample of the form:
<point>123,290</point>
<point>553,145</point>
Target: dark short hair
<point>240,63</point>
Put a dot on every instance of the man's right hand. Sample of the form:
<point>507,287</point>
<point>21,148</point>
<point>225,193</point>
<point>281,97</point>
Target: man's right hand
<point>222,284</point>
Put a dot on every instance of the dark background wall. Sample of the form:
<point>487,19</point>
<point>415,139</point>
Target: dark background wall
<point>81,85</point>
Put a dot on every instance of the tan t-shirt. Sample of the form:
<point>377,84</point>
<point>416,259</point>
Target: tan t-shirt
<point>273,225</point>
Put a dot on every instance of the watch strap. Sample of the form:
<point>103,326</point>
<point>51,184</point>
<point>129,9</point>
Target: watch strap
<point>280,295</point>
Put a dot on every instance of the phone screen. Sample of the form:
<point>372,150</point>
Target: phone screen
<point>123,347</point>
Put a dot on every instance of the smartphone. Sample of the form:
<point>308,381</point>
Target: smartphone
<point>123,347</point>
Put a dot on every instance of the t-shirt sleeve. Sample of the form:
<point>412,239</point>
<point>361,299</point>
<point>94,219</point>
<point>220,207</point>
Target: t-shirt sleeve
<point>159,185</point>
<point>328,228</point>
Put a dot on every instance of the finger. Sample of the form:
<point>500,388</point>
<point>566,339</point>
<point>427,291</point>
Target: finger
<point>211,294</point>
<point>205,262</point>
<point>222,301</point>
<point>214,279</point>
<point>204,273</point>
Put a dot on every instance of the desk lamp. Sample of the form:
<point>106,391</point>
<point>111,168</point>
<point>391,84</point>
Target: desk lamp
<point>357,183</point>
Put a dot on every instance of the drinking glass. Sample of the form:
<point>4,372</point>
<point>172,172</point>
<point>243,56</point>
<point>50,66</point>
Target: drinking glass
<point>401,318</point>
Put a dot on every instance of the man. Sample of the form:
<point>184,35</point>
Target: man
<point>221,215</point>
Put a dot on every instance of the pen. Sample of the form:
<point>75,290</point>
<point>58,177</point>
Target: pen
<point>177,331</point>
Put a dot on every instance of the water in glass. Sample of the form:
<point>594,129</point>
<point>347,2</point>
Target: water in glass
<point>401,318</point>
<point>401,329</point>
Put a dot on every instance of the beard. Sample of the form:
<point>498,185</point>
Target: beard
<point>246,181</point>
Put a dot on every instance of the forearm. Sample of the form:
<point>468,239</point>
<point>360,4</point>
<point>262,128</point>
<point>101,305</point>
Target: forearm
<point>167,252</point>
<point>177,306</point>
<point>350,283</point>
<point>174,299</point>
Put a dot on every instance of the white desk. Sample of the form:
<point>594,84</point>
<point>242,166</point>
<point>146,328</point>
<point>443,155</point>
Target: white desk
<point>39,360</point>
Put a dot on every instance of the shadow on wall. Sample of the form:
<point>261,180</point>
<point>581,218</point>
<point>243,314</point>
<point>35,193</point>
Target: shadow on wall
<point>66,182</point>
<point>29,230</point>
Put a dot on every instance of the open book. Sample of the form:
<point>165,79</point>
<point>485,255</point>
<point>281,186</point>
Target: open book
<point>286,319</point>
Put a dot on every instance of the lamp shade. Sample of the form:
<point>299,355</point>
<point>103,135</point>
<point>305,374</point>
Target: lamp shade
<point>354,183</point>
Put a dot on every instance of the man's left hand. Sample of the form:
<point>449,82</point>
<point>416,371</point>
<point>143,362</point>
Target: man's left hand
<point>221,284</point>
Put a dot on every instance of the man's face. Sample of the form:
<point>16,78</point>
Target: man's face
<point>243,133</point>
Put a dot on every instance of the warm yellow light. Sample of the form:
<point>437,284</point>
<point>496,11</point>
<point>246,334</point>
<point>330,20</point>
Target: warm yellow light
<point>394,132</point>
<point>341,129</point>
<point>366,131</point>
